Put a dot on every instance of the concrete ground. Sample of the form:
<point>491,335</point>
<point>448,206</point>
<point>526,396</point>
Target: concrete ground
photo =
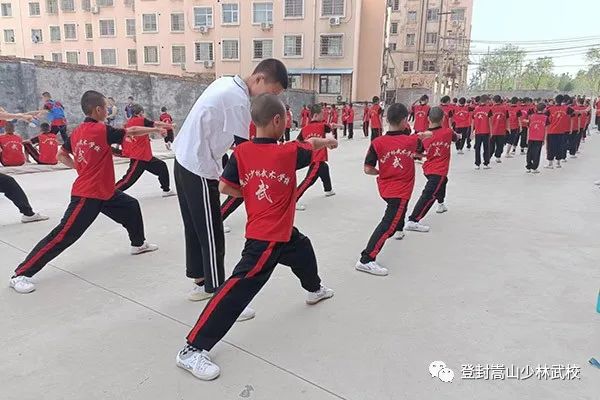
<point>508,276</point>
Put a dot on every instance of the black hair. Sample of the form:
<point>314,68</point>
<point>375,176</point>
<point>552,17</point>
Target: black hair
<point>45,127</point>
<point>90,100</point>
<point>541,107</point>
<point>514,100</point>
<point>130,98</point>
<point>559,98</point>
<point>274,72</point>
<point>436,115</point>
<point>445,99</point>
<point>315,109</point>
<point>484,98</point>
<point>462,101</point>
<point>455,100</point>
<point>477,99</point>
<point>424,97</point>
<point>265,107</point>
<point>396,113</point>
<point>497,99</point>
<point>137,109</point>
<point>375,99</point>
<point>163,109</point>
<point>47,94</point>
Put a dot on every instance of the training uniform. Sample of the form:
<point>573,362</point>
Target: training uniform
<point>46,151</point>
<point>526,109</point>
<point>514,124</point>
<point>12,154</point>
<point>304,117</point>
<point>318,166</point>
<point>448,110</point>
<point>481,126</point>
<point>56,116</point>
<point>14,193</point>
<point>168,119</point>
<point>498,133</point>
<point>93,193</point>
<point>350,122</point>
<point>463,119</point>
<point>537,134</point>
<point>560,125</point>
<point>375,113</point>
<point>333,120</point>
<point>366,117</point>
<point>420,113</point>
<point>266,174</point>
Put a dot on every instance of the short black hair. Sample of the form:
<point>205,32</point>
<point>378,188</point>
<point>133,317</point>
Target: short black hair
<point>424,97</point>
<point>9,127</point>
<point>477,99</point>
<point>46,94</point>
<point>130,98</point>
<point>137,109</point>
<point>45,127</point>
<point>484,98</point>
<point>445,99</point>
<point>436,115</point>
<point>163,109</point>
<point>375,99</point>
<point>541,107</point>
<point>455,100</point>
<point>315,109</point>
<point>396,113</point>
<point>559,98</point>
<point>90,100</point>
<point>462,101</point>
<point>514,100</point>
<point>274,71</point>
<point>497,99</point>
<point>265,107</point>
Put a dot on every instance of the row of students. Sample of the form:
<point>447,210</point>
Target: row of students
<point>14,150</point>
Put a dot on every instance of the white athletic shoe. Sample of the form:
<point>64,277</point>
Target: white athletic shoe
<point>198,363</point>
<point>528,171</point>
<point>198,294</point>
<point>145,248</point>
<point>460,152</point>
<point>169,193</point>
<point>330,193</point>
<point>498,160</point>
<point>300,207</point>
<point>477,167</point>
<point>399,235</point>
<point>371,268</point>
<point>441,208</point>
<point>322,294</point>
<point>22,284</point>
<point>33,218</point>
<point>573,156</point>
<point>416,227</point>
<point>226,229</point>
<point>487,167</point>
<point>597,183</point>
<point>535,171</point>
<point>549,166</point>
<point>247,314</point>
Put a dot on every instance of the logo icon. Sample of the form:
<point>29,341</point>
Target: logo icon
<point>438,369</point>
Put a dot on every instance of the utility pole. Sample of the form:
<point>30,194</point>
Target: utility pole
<point>386,52</point>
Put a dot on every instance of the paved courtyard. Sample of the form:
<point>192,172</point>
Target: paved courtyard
<point>508,276</point>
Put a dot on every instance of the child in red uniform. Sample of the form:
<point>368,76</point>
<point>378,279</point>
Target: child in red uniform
<point>139,151</point>
<point>167,118</point>
<point>419,113</point>
<point>11,147</point>
<point>264,174</point>
<point>350,121</point>
<point>463,118</point>
<point>538,123</point>
<point>345,119</point>
<point>394,152</point>
<point>448,109</point>
<point>304,116</point>
<point>333,120</point>
<point>481,128</point>
<point>435,169</point>
<point>93,191</point>
<point>47,146</point>
<point>366,116</point>
<point>560,125</point>
<point>499,128</point>
<point>375,113</point>
<point>515,126</point>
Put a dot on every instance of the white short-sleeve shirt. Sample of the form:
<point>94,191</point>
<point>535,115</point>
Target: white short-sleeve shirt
<point>221,112</point>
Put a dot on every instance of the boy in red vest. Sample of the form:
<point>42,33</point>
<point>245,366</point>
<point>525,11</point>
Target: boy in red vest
<point>11,147</point>
<point>435,169</point>
<point>463,118</point>
<point>168,119</point>
<point>47,146</point>
<point>333,120</point>
<point>139,150</point>
<point>538,127</point>
<point>393,153</point>
<point>499,128</point>
<point>304,116</point>
<point>375,113</point>
<point>560,125</point>
<point>264,174</point>
<point>481,128</point>
<point>515,125</point>
<point>420,113</point>
<point>448,109</point>
<point>366,115</point>
<point>93,191</point>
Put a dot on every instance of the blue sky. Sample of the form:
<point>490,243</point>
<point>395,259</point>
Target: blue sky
<point>551,21</point>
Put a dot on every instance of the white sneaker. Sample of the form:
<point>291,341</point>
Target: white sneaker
<point>535,171</point>
<point>323,293</point>
<point>477,167</point>
<point>573,156</point>
<point>33,218</point>
<point>416,227</point>
<point>558,164</point>
<point>247,314</point>
<point>198,364</point>
<point>330,193</point>
<point>198,294</point>
<point>498,160</point>
<point>169,193</point>
<point>300,207</point>
<point>487,167</point>
<point>441,208</point>
<point>460,152</point>
<point>399,235</point>
<point>145,248</point>
<point>22,284</point>
<point>226,229</point>
<point>549,166</point>
<point>371,268</point>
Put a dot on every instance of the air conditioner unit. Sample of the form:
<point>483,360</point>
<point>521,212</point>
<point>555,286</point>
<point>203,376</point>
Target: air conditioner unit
<point>203,29</point>
<point>183,68</point>
<point>95,9</point>
<point>266,26</point>
<point>209,64</point>
<point>335,21</point>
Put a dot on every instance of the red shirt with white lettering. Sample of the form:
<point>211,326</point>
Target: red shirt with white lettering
<point>48,147</point>
<point>499,118</point>
<point>12,150</point>
<point>481,120</point>
<point>514,115</point>
<point>138,147</point>
<point>394,153</point>
<point>266,174</point>
<point>90,145</point>
<point>448,110</point>
<point>421,114</point>
<point>316,129</point>
<point>438,151</point>
<point>560,119</point>
<point>462,116</point>
<point>537,126</point>
<point>375,116</point>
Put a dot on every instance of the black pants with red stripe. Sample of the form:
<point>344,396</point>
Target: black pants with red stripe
<point>14,193</point>
<point>318,169</point>
<point>80,214</point>
<point>435,189</point>
<point>392,221</point>
<point>136,169</point>
<point>230,205</point>
<point>259,259</point>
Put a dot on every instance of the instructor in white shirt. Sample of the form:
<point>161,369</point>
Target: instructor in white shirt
<point>220,116</point>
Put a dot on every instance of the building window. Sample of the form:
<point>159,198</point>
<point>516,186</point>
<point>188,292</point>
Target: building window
<point>131,57</point>
<point>458,14</point>
<point>177,22</point>
<point>262,49</point>
<point>90,58</point>
<point>203,51</point>
<point>108,56</point>
<point>39,57</point>
<point>432,14</point>
<point>52,7</point>
<point>393,46</point>
<point>292,46</point>
<point>105,3</point>
<point>55,33</point>
<point>332,8</point>
<point>391,72</point>
<point>107,28</point>
<point>203,16</point>
<point>411,17</point>
<point>408,66</point>
<point>410,39</point>
<point>295,81</point>
<point>36,36</point>
<point>178,54</point>
<point>394,28</point>
<point>150,54</point>
<point>67,5</point>
<point>72,57</point>
<point>9,36</point>
<point>70,32</point>
<point>231,49</point>
<point>57,57</point>
<point>89,31</point>
<point>396,5</point>
<point>332,46</point>
<point>86,5</point>
<point>429,65</point>
<point>34,9</point>
<point>262,13</point>
<point>6,9</point>
<point>330,84</point>
<point>149,23</point>
<point>293,9</point>
<point>130,26</point>
<point>231,13</point>
<point>431,38</point>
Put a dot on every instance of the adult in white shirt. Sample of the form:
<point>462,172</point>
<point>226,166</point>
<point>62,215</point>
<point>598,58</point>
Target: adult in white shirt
<point>220,116</point>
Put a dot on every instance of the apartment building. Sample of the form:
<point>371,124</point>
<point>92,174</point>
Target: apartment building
<point>429,44</point>
<point>334,47</point>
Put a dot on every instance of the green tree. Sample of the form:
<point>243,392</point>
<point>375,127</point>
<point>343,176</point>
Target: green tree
<point>538,74</point>
<point>501,67</point>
